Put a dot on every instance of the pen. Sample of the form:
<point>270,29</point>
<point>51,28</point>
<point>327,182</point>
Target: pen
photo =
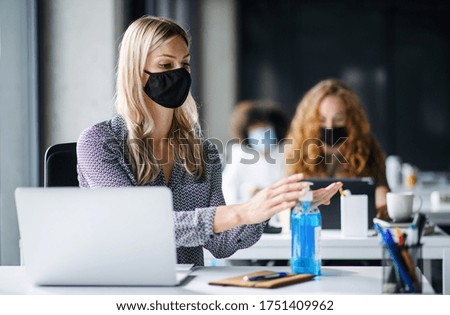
<point>399,236</point>
<point>341,191</point>
<point>273,275</point>
<point>410,266</point>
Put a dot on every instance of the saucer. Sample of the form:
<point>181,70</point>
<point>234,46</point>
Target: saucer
<point>407,220</point>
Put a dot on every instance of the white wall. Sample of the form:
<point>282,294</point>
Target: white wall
<point>76,87</point>
<point>18,116</point>
<point>78,65</point>
<point>219,63</point>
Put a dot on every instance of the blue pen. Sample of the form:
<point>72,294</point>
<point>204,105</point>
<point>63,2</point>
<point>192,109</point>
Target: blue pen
<point>380,231</point>
<point>273,275</point>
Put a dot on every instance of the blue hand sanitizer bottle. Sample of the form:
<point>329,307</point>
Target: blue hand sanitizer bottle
<point>306,226</point>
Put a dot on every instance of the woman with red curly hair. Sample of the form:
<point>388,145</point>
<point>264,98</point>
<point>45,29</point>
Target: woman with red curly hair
<point>331,138</point>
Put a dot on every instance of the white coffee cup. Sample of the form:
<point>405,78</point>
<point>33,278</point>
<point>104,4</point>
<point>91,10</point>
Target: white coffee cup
<point>400,205</point>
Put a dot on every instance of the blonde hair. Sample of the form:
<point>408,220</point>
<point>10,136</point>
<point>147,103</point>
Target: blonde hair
<point>142,37</point>
<point>361,150</point>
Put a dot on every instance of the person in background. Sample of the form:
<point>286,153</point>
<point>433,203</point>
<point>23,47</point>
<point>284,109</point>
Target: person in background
<point>331,137</point>
<point>155,140</point>
<point>255,159</point>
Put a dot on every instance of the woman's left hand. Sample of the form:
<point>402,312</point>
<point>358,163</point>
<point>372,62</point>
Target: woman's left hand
<point>323,195</point>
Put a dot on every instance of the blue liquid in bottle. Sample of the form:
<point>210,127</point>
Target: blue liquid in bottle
<point>306,226</point>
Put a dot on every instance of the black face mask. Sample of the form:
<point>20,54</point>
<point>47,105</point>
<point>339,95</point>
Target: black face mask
<point>331,136</point>
<point>169,88</point>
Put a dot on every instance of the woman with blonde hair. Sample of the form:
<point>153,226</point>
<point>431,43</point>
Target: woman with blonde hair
<point>155,140</point>
<point>331,137</point>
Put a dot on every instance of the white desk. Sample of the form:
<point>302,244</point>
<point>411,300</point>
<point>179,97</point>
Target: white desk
<point>334,246</point>
<point>335,280</point>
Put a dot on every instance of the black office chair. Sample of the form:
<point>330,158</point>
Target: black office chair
<point>60,165</point>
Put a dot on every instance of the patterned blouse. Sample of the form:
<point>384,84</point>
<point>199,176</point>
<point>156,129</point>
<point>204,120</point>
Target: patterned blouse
<point>103,162</point>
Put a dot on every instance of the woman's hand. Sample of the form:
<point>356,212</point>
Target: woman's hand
<point>323,195</point>
<point>283,195</point>
<point>275,198</point>
<point>280,196</point>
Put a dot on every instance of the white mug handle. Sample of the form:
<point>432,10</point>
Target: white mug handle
<point>421,201</point>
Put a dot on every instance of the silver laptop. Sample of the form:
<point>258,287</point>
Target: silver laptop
<point>104,236</point>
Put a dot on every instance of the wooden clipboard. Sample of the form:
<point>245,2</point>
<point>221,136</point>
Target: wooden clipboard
<point>238,281</point>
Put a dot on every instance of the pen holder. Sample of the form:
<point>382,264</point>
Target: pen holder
<point>402,269</point>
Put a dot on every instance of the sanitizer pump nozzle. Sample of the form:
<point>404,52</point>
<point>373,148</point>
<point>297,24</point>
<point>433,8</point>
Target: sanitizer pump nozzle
<point>307,198</point>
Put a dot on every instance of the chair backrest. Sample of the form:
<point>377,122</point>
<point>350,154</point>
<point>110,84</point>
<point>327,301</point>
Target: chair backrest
<point>60,165</point>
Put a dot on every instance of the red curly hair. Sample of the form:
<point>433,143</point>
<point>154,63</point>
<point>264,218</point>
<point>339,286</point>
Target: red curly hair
<point>361,150</point>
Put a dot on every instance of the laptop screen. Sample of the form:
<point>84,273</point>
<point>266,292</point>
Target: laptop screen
<point>104,236</point>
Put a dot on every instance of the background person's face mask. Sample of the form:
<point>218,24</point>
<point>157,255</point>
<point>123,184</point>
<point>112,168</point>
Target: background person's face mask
<point>261,138</point>
<point>169,88</point>
<point>331,136</point>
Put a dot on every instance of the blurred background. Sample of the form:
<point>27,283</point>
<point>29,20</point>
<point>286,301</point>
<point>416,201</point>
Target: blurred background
<point>57,71</point>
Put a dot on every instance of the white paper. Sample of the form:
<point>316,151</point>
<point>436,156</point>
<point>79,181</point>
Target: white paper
<point>354,215</point>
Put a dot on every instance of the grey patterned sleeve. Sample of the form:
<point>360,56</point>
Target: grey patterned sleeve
<point>193,228</point>
<point>225,244</point>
